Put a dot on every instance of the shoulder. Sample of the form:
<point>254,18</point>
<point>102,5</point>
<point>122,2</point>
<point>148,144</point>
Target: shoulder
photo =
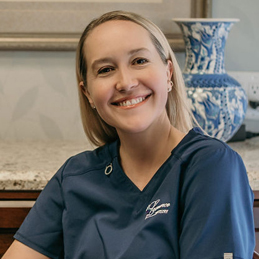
<point>212,171</point>
<point>209,158</point>
<point>197,145</point>
<point>88,161</point>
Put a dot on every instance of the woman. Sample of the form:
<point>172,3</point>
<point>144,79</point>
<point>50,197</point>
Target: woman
<point>155,188</point>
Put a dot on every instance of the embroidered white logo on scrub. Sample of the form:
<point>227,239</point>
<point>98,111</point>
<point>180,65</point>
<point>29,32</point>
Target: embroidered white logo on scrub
<point>228,256</point>
<point>152,209</point>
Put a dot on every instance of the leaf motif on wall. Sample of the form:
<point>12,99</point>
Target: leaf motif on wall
<point>54,80</point>
<point>25,103</point>
<point>50,128</point>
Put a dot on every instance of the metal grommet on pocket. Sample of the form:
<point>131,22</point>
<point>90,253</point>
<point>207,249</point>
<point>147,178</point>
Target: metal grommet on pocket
<point>108,169</point>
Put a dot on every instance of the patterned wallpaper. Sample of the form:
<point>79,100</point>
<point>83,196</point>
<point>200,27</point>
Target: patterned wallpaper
<point>38,96</point>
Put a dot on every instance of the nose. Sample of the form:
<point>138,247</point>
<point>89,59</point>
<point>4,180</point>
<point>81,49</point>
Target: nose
<point>126,80</point>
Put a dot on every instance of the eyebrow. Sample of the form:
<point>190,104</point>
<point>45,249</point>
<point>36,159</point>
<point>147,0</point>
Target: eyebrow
<point>134,51</point>
<point>109,60</point>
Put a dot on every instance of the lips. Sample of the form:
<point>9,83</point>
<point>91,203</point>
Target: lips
<point>131,102</point>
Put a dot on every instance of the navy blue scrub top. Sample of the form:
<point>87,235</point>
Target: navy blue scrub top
<point>198,205</point>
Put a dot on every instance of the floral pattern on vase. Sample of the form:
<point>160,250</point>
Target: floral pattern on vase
<point>219,102</point>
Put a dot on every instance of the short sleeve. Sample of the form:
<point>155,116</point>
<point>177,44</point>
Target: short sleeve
<point>216,207</point>
<point>42,228</point>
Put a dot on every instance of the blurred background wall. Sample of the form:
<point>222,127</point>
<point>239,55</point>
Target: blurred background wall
<point>242,51</point>
<point>38,91</point>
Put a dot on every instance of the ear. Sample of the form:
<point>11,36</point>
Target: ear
<point>170,70</point>
<point>86,93</point>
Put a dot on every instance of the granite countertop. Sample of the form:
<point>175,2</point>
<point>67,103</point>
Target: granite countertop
<point>249,151</point>
<point>29,165</point>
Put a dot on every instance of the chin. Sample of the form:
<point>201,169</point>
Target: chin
<point>134,128</point>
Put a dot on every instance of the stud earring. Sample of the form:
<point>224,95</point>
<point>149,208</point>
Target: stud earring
<point>92,105</point>
<point>170,88</point>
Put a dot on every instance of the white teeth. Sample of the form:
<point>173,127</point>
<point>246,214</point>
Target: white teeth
<point>132,102</point>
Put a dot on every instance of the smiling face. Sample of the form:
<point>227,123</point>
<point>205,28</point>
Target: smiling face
<point>127,81</point>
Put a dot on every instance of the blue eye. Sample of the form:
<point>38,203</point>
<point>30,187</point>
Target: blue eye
<point>140,61</point>
<point>105,70</point>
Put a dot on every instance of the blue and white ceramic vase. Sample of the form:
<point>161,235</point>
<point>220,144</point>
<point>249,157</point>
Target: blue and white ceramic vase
<point>218,101</point>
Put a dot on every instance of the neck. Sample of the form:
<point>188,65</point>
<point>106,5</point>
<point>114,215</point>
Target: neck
<point>144,145</point>
<point>143,154</point>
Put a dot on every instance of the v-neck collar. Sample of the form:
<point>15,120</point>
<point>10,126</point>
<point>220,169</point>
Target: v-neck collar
<point>125,182</point>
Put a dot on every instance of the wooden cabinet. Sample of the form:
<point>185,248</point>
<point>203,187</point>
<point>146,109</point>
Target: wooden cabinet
<point>256,220</point>
<point>14,206</point>
<point>11,217</point>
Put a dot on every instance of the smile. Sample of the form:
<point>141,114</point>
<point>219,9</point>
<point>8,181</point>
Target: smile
<point>131,102</point>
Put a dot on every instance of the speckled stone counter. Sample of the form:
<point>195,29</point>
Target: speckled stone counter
<point>30,165</point>
<point>249,151</point>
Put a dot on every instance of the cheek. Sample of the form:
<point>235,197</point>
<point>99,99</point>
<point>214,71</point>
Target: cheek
<point>158,83</point>
<point>99,93</point>
<point>97,88</point>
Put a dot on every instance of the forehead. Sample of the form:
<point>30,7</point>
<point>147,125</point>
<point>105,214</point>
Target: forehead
<point>114,26</point>
<point>114,36</point>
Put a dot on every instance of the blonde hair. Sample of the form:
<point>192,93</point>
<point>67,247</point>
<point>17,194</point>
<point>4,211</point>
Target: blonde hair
<point>179,113</point>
